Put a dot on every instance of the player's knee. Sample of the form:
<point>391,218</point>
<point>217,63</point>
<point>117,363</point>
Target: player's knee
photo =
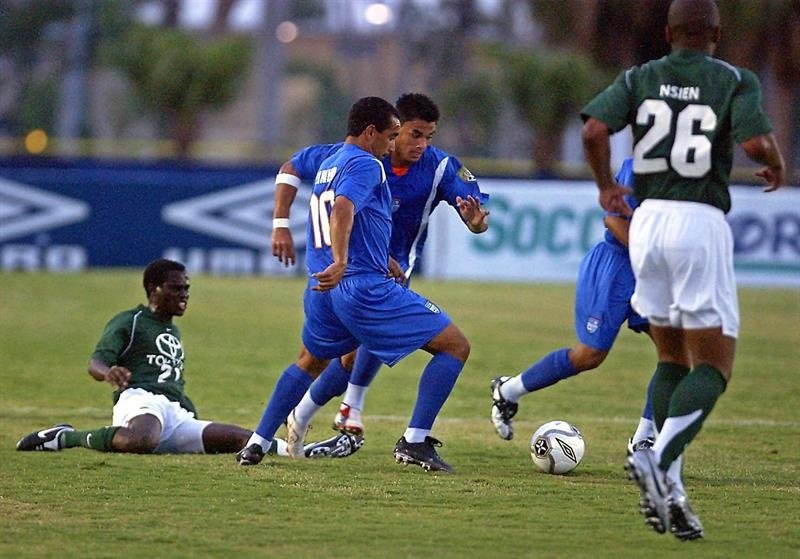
<point>310,364</point>
<point>348,360</point>
<point>130,440</point>
<point>585,358</point>
<point>461,348</point>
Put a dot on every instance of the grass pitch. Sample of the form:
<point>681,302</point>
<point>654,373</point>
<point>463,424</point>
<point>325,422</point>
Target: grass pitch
<point>239,334</point>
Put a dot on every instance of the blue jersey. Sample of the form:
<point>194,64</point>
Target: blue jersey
<point>436,177</point>
<point>359,176</point>
<point>306,162</point>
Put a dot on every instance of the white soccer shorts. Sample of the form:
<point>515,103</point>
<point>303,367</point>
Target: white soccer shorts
<point>682,257</point>
<point>180,431</point>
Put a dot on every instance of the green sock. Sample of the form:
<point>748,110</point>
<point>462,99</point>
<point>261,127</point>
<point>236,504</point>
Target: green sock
<point>692,401</point>
<point>97,439</point>
<point>666,378</point>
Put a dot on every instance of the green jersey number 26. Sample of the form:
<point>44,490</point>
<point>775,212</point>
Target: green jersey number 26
<point>690,155</point>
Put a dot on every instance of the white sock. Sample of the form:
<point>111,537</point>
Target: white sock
<point>281,447</point>
<point>674,472</point>
<point>305,410</point>
<point>645,430</point>
<point>672,427</point>
<point>413,435</point>
<point>354,397</point>
<point>513,389</point>
<point>255,438</point>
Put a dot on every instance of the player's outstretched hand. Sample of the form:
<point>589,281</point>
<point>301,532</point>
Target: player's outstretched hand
<point>283,246</point>
<point>774,178</point>
<point>329,277</point>
<point>473,214</point>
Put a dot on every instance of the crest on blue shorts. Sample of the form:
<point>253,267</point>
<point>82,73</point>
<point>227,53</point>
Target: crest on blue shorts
<point>431,307</point>
<point>395,204</point>
<point>592,324</point>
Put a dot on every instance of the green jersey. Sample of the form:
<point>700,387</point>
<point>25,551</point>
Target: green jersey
<point>150,348</point>
<point>686,111</point>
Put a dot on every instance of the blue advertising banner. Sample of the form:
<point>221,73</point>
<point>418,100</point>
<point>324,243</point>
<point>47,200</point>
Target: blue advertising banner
<point>70,215</point>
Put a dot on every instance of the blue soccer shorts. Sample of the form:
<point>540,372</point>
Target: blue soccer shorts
<point>602,297</point>
<point>388,319</point>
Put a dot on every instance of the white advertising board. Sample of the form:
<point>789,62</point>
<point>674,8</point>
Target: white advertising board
<point>539,231</point>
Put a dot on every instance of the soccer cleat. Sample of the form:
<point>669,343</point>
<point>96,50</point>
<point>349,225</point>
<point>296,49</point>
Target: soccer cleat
<point>422,454</point>
<point>46,439</point>
<point>502,410</point>
<point>348,420</point>
<point>654,500</point>
<point>338,446</point>
<point>685,524</point>
<point>295,437</point>
<point>250,455</point>
<point>639,445</point>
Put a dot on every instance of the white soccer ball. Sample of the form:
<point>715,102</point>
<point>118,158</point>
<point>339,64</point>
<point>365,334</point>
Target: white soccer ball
<point>557,447</point>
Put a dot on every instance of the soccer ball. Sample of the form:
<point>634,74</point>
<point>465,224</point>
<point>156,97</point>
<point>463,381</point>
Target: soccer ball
<point>557,447</point>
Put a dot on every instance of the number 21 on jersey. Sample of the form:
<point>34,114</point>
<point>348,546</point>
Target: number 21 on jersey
<point>690,155</point>
<point>320,217</point>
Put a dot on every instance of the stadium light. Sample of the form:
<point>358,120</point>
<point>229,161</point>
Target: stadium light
<point>378,14</point>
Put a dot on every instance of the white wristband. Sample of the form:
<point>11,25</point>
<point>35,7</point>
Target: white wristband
<point>287,178</point>
<point>278,222</point>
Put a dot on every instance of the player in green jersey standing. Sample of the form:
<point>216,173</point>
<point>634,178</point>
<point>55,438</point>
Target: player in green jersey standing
<point>686,111</point>
<point>141,355</point>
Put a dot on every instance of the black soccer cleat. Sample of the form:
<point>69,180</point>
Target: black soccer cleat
<point>338,446</point>
<point>250,455</point>
<point>422,454</point>
<point>502,410</point>
<point>46,439</point>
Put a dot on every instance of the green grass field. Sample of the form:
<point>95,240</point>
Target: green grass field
<point>239,334</point>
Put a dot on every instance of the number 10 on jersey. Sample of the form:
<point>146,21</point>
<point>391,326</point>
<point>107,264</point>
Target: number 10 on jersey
<point>320,217</point>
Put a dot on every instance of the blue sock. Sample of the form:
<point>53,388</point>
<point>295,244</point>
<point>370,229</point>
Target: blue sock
<point>365,368</point>
<point>550,369</point>
<point>647,412</point>
<point>330,384</point>
<point>435,385</point>
<point>288,392</point>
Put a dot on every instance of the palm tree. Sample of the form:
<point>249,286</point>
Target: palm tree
<point>178,77</point>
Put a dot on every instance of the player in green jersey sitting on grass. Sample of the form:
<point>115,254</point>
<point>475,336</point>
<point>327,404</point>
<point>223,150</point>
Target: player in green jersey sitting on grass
<point>140,354</point>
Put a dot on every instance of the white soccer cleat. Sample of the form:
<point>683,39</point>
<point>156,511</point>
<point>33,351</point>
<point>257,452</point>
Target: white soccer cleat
<point>348,420</point>
<point>685,524</point>
<point>652,481</point>
<point>502,410</point>
<point>295,437</point>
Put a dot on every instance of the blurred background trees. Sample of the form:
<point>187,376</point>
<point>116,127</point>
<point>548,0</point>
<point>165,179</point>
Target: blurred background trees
<point>252,80</point>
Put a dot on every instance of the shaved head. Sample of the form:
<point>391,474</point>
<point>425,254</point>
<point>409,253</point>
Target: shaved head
<point>693,23</point>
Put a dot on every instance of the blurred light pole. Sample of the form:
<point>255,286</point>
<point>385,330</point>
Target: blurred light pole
<point>271,66</point>
<point>72,102</point>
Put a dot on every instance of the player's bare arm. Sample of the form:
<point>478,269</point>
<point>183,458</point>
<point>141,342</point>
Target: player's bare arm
<point>764,149</point>
<point>618,226</point>
<point>285,191</point>
<point>115,375</point>
<point>341,223</point>
<point>474,216</point>
<point>597,147</point>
